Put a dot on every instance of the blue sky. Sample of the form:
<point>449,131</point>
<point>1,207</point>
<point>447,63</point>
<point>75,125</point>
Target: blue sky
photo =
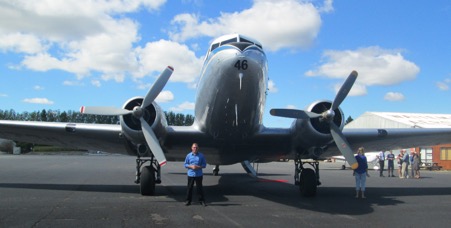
<point>61,55</point>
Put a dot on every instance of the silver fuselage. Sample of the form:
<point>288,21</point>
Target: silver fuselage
<point>232,92</point>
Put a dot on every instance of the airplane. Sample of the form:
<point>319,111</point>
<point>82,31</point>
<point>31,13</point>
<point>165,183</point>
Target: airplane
<point>371,158</point>
<point>228,126</point>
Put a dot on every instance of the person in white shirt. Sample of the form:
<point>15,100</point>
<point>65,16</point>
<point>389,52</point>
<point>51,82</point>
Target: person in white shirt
<point>381,158</point>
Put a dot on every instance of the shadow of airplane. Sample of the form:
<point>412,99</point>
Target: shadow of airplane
<point>331,200</point>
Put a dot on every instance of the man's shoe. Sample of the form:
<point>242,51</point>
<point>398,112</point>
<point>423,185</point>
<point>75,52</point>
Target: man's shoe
<point>203,203</point>
<point>187,203</point>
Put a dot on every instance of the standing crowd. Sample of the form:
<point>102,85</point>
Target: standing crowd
<point>403,160</point>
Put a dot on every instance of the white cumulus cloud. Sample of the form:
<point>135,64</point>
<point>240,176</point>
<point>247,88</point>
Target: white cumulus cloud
<point>394,96</point>
<point>76,36</point>
<point>272,87</point>
<point>375,65</point>
<point>155,56</point>
<point>287,24</point>
<point>164,96</point>
<point>183,107</point>
<point>38,100</point>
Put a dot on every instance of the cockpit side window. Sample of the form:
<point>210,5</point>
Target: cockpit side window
<point>214,46</point>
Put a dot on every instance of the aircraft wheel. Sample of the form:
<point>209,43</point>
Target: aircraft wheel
<point>308,183</point>
<point>147,185</point>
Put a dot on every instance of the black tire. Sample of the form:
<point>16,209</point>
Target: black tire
<point>147,185</point>
<point>343,167</point>
<point>308,183</point>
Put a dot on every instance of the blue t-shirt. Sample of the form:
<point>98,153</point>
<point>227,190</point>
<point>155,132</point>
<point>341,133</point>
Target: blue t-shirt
<point>363,164</point>
<point>195,159</point>
<point>390,158</point>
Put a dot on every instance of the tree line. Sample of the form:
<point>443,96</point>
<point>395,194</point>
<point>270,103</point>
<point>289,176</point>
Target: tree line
<point>174,119</point>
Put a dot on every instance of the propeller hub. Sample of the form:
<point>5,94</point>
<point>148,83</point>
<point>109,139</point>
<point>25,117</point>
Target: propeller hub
<point>138,112</point>
<point>328,115</point>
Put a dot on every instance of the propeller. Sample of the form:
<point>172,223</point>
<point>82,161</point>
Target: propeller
<point>328,116</point>
<point>138,112</point>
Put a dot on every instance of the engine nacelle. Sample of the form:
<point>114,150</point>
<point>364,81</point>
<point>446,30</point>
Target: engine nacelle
<point>131,127</point>
<point>316,131</point>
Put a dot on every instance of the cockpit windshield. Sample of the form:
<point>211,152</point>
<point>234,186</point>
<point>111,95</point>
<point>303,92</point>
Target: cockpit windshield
<point>232,39</point>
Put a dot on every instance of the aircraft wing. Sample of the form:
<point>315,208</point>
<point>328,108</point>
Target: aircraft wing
<point>102,137</point>
<point>97,137</point>
<point>394,138</point>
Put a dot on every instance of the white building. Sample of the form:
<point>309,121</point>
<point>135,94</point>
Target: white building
<point>401,120</point>
<point>439,155</point>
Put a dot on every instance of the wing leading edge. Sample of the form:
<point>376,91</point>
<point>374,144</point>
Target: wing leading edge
<point>393,138</point>
<point>102,137</point>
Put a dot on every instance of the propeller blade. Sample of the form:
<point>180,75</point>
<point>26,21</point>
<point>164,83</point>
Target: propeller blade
<point>152,142</point>
<point>343,145</point>
<point>157,86</point>
<point>105,111</point>
<point>344,90</point>
<point>293,113</point>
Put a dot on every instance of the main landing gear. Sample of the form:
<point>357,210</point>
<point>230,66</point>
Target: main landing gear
<point>148,176</point>
<point>216,170</point>
<point>306,178</point>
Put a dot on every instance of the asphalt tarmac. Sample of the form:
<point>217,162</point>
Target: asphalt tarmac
<point>98,191</point>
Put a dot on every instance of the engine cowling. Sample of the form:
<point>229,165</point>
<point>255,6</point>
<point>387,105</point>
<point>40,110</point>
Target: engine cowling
<point>315,132</point>
<point>131,126</point>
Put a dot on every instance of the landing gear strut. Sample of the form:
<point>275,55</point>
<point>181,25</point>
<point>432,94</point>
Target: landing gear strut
<point>148,176</point>
<point>216,170</point>
<point>306,178</point>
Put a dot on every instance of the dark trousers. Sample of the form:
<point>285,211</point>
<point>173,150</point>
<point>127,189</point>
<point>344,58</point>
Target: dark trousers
<point>381,164</point>
<point>391,167</point>
<point>199,188</point>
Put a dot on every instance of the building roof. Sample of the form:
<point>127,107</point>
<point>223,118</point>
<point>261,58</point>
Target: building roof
<point>401,120</point>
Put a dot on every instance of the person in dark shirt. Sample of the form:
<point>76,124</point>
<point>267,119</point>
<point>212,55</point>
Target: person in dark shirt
<point>195,162</point>
<point>361,173</point>
<point>391,163</point>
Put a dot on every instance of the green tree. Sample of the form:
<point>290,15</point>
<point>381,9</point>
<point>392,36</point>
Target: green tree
<point>189,120</point>
<point>43,115</point>
<point>63,117</point>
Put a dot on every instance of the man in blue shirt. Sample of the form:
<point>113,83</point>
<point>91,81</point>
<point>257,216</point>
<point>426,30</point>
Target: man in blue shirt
<point>195,162</point>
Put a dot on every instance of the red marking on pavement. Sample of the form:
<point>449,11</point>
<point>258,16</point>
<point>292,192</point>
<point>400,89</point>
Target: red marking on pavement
<point>269,180</point>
